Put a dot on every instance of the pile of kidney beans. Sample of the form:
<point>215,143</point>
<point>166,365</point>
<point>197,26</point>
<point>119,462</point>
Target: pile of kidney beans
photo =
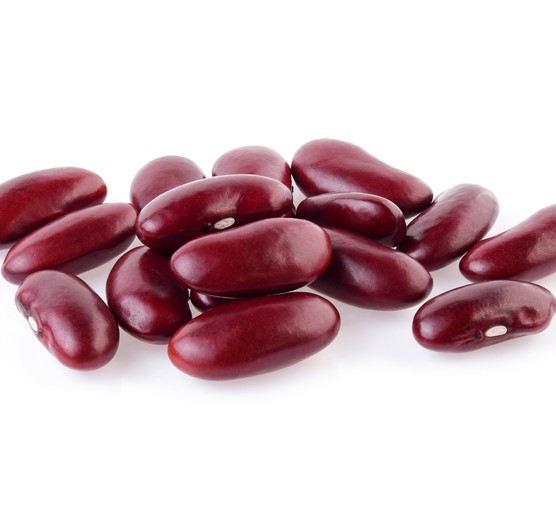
<point>235,246</point>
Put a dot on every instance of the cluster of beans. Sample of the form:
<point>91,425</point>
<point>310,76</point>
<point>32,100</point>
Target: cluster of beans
<point>235,246</point>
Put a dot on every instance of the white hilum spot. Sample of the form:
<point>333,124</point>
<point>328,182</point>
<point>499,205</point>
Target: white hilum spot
<point>224,223</point>
<point>496,331</point>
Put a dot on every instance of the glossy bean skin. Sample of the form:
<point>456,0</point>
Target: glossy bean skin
<point>525,252</point>
<point>203,302</point>
<point>369,215</point>
<point>74,243</point>
<point>148,302</point>
<point>370,275</point>
<point>258,160</point>
<point>161,175</point>
<point>34,199</point>
<point>210,205</point>
<point>457,219</point>
<point>254,336</point>
<point>265,257</point>
<point>478,315</point>
<point>69,319</point>
<point>334,166</point>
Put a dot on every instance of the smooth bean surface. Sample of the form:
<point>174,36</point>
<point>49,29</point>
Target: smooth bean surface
<point>525,252</point>
<point>334,166</point>
<point>69,319</point>
<point>34,199</point>
<point>479,315</point>
<point>203,302</point>
<point>456,220</point>
<point>254,336</point>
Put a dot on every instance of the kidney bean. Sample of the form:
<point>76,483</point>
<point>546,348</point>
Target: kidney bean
<point>479,315</point>
<point>148,302</point>
<point>334,166</point>
<point>258,160</point>
<point>456,220</point>
<point>370,275</point>
<point>161,175</point>
<point>254,336</point>
<point>210,205</point>
<point>269,256</point>
<point>370,215</point>
<point>69,318</point>
<point>34,199</point>
<point>73,243</point>
<point>525,252</point>
<point>203,302</point>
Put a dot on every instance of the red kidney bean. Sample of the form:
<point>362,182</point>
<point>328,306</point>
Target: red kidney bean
<point>525,252</point>
<point>69,318</point>
<point>146,299</point>
<point>334,166</point>
<point>479,315</point>
<point>370,215</point>
<point>203,302</point>
<point>258,160</point>
<point>456,220</point>
<point>254,336</point>
<point>370,275</point>
<point>161,175</point>
<point>269,256</point>
<point>210,205</point>
<point>34,199</point>
<point>73,243</point>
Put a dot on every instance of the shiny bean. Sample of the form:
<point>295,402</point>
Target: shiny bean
<point>479,315</point>
<point>370,275</point>
<point>148,302</point>
<point>34,199</point>
<point>203,302</point>
<point>254,336</point>
<point>161,175</point>
<point>69,319</point>
<point>525,252</point>
<point>456,220</point>
<point>210,205</point>
<point>74,243</point>
<point>334,166</point>
<point>269,256</point>
<point>370,215</point>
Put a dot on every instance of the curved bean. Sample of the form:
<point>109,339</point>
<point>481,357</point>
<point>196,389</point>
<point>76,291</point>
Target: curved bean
<point>203,302</point>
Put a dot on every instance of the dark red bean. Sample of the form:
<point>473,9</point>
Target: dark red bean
<point>69,318</point>
<point>254,336</point>
<point>203,302</point>
<point>148,302</point>
<point>161,175</point>
<point>479,315</point>
<point>258,160</point>
<point>269,256</point>
<point>334,166</point>
<point>34,199</point>
<point>370,275</point>
<point>210,205</point>
<point>456,220</point>
<point>525,252</point>
<point>370,215</point>
<point>74,243</point>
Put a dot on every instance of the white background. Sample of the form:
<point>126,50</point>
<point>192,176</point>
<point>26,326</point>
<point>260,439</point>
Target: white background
<point>450,91</point>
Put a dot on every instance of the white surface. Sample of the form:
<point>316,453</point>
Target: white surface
<point>453,92</point>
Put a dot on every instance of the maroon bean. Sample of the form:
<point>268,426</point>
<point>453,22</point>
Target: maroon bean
<point>269,256</point>
<point>456,220</point>
<point>258,160</point>
<point>69,318</point>
<point>34,199</point>
<point>479,315</point>
<point>203,302</point>
<point>161,175</point>
<point>370,215</point>
<point>254,336</point>
<point>334,166</point>
<point>210,205</point>
<point>73,243</point>
<point>525,252</point>
<point>146,299</point>
<point>370,275</point>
